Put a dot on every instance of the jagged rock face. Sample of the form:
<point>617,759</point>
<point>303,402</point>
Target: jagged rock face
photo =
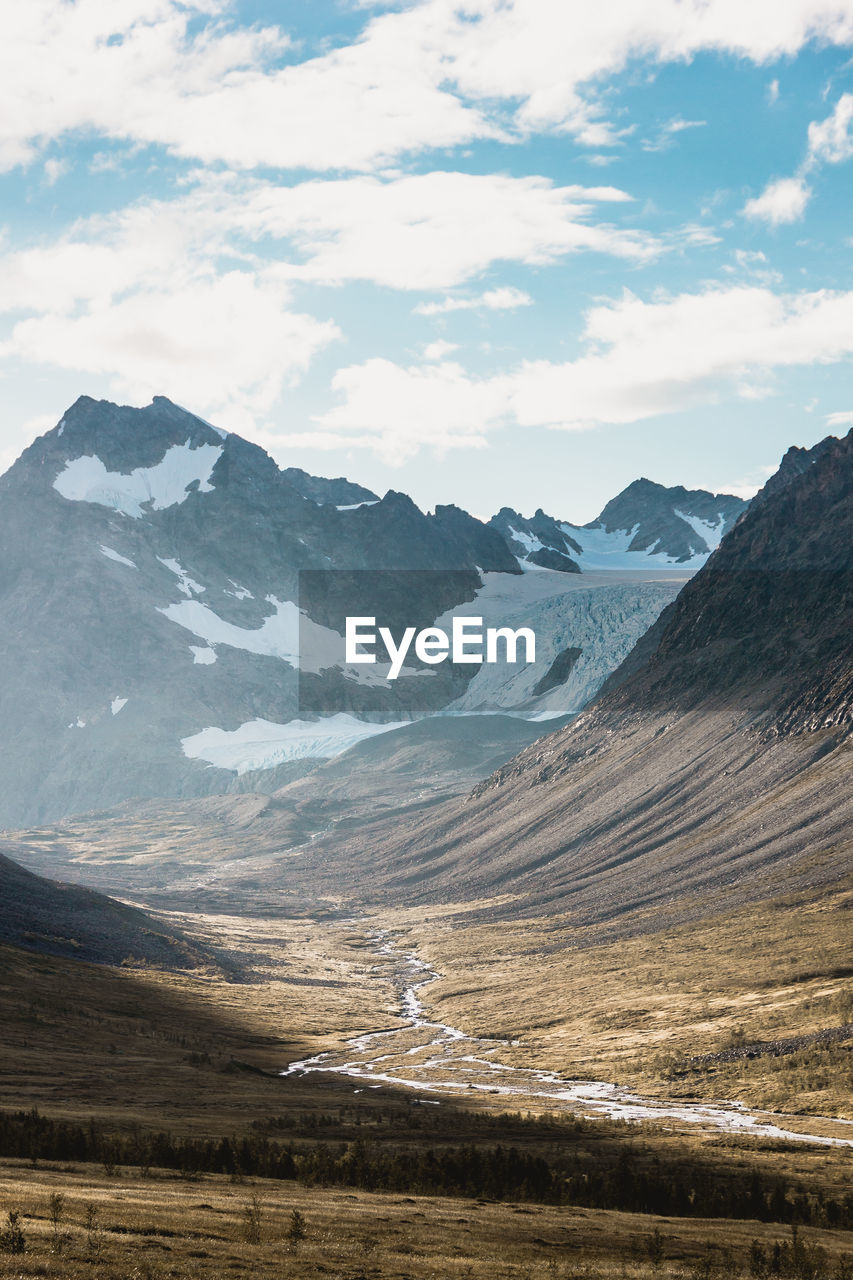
<point>539,540</point>
<point>149,588</point>
<point>337,492</point>
<point>152,612</point>
<point>679,522</point>
<point>773,609</point>
<point>646,524</point>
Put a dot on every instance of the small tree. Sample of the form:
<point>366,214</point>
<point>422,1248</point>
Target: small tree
<point>56,1209</point>
<point>94,1235</point>
<point>757,1259</point>
<point>253,1217</point>
<point>12,1237</point>
<point>654,1247</point>
<point>297,1229</point>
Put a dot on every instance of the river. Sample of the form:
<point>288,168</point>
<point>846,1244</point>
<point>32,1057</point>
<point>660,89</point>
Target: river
<point>433,1058</point>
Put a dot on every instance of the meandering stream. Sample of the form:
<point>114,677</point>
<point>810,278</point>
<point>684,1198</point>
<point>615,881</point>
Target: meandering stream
<point>437,1059</point>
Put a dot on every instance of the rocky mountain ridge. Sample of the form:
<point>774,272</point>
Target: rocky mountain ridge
<point>715,768</point>
<point>67,920</point>
<point>646,524</point>
<point>172,606</point>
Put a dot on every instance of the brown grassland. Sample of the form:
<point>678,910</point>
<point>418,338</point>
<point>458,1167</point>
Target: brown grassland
<point>124,1227</point>
<point>197,1054</point>
<point>646,1009</point>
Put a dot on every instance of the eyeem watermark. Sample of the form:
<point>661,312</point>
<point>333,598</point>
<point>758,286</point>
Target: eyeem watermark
<point>468,642</point>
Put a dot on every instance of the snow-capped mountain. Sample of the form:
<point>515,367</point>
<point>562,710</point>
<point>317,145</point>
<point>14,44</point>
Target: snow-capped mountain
<point>170,627</point>
<point>647,524</point>
<point>715,769</point>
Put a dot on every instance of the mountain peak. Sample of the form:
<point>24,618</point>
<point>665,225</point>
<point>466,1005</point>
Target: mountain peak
<point>646,524</point>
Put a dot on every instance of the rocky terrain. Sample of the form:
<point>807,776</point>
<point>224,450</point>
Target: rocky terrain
<point>646,523</point>
<point>172,606</point>
<point>715,769</point>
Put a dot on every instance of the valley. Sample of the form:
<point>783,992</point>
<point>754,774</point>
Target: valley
<point>568,940</point>
<point>206,1059</point>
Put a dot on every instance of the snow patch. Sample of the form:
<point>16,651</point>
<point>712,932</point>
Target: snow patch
<point>529,543</point>
<point>239,593</point>
<point>353,506</point>
<point>609,549</point>
<point>185,583</point>
<point>77,724</point>
<point>263,744</point>
<point>60,429</point>
<point>288,634</point>
<point>710,531</point>
<point>203,655</point>
<point>276,637</point>
<point>117,704</point>
<point>114,555</point>
<point>86,479</point>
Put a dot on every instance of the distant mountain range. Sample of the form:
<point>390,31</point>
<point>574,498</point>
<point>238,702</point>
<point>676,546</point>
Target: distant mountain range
<point>715,763</point>
<point>154,608</point>
<point>712,769</point>
<point>644,524</point>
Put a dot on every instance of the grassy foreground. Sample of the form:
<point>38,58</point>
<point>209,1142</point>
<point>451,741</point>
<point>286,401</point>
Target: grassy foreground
<point>78,1222</point>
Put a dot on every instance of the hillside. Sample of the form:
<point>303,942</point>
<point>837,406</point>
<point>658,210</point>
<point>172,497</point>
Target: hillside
<point>718,766</point>
<point>67,920</point>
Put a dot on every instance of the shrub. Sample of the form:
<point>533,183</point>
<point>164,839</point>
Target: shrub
<point>12,1237</point>
<point>253,1216</point>
<point>296,1230</point>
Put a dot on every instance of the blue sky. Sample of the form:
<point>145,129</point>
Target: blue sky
<point>496,252</point>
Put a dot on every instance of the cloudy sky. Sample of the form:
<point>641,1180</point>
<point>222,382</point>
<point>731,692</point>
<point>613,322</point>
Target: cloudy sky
<point>496,252</point>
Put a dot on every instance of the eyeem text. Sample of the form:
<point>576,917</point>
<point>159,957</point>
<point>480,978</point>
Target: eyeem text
<point>468,642</point>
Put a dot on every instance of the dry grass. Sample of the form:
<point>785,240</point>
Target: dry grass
<point>148,1047</point>
<point>164,1226</point>
<point>635,1011</point>
<point>156,1049</point>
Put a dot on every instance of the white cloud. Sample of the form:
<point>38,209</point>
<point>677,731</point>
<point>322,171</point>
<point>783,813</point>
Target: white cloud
<point>754,263</point>
<point>225,346</point>
<point>668,132</point>
<point>551,55</point>
<point>146,71</point>
<point>191,297</point>
<point>773,92</point>
<point>394,410</point>
<point>780,202</point>
<point>842,419</point>
<point>678,125</point>
<point>643,359</point>
<point>505,298</point>
<point>831,140</point>
<point>434,74</point>
<point>54,169</point>
<point>439,349</point>
<point>432,230</point>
